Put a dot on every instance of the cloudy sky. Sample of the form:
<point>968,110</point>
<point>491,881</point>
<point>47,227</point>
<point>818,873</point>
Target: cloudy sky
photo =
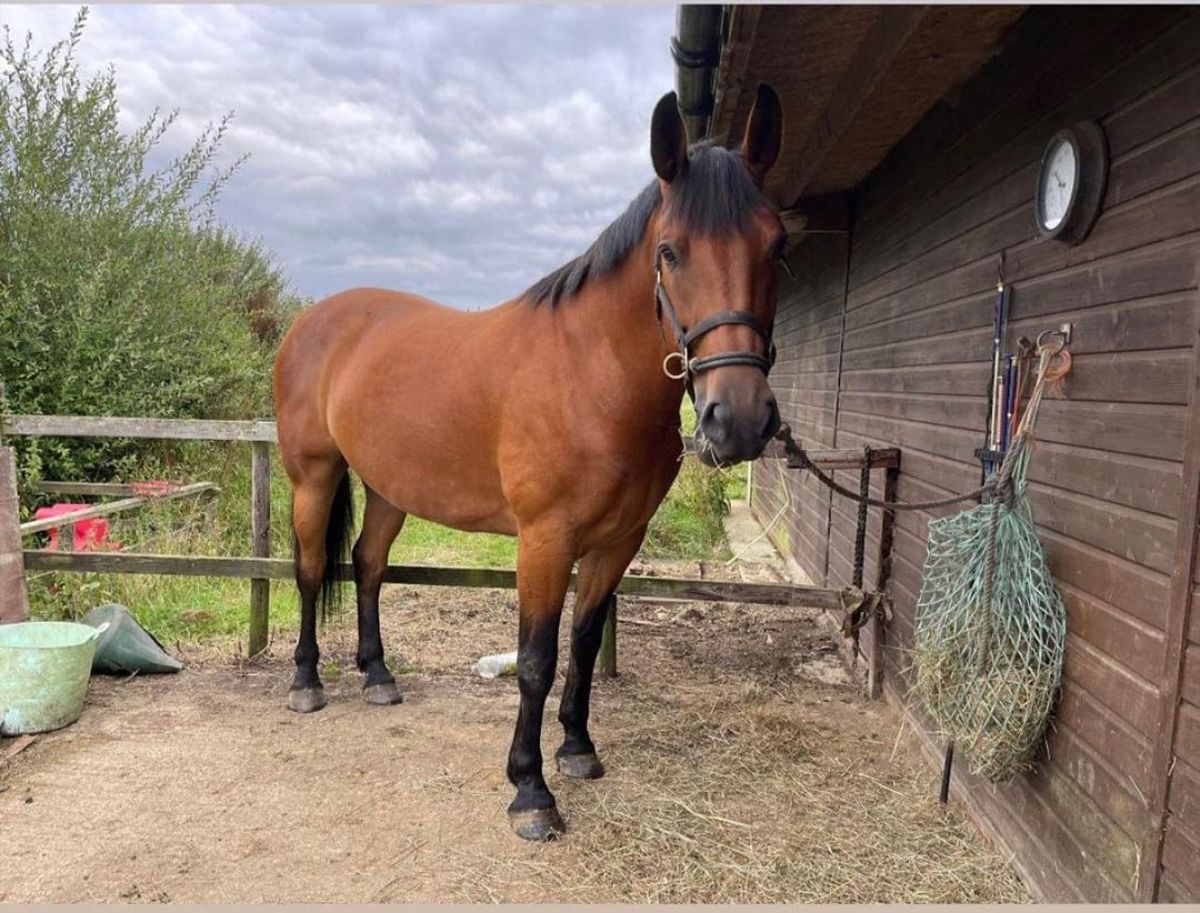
<point>456,151</point>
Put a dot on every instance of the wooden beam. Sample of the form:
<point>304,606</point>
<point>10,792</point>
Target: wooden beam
<point>607,664</point>
<point>880,47</point>
<point>113,507</point>
<point>826,213</point>
<point>14,601</point>
<point>86,488</point>
<point>156,428</point>
<point>731,71</point>
<point>260,544</point>
<point>638,585</point>
<point>882,458</point>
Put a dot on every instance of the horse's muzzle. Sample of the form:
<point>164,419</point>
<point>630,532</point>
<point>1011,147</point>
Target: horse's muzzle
<point>725,435</point>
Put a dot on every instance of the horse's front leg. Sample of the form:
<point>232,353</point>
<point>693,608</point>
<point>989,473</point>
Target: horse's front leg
<point>599,573</point>
<point>544,561</point>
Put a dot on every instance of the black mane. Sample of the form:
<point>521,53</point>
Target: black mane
<point>715,195</point>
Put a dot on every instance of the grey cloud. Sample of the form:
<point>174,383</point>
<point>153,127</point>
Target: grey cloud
<point>459,152</point>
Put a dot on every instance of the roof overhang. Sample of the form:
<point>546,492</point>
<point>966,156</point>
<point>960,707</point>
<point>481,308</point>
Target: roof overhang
<point>853,80</point>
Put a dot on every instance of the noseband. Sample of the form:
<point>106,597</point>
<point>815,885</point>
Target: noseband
<point>690,367</point>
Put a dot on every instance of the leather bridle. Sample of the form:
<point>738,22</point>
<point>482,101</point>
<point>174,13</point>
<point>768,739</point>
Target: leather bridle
<point>690,367</point>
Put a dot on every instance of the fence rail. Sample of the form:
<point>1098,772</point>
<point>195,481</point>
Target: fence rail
<point>265,431</point>
<point>261,568</point>
<point>258,433</point>
<point>178,429</point>
<point>640,585</point>
<point>115,507</point>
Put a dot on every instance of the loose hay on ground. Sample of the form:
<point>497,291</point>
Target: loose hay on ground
<point>744,813</point>
<point>741,767</point>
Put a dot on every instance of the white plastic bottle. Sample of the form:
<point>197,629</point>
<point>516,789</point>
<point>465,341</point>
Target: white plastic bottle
<point>497,664</point>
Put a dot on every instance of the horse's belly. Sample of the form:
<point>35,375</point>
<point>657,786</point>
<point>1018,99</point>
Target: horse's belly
<point>410,422</point>
<point>436,484</point>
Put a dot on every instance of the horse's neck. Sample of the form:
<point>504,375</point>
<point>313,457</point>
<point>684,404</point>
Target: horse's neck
<point>619,335</point>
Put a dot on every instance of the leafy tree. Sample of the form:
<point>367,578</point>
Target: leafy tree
<point>120,293</point>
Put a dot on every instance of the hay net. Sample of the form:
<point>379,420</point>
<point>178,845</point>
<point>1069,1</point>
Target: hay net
<point>990,626</point>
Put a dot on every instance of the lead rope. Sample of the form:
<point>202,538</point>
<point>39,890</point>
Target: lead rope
<point>998,487</point>
<point>795,451</point>
<point>1000,490</point>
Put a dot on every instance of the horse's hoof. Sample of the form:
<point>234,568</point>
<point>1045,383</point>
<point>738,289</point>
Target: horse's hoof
<point>580,766</point>
<point>537,824</point>
<point>306,700</point>
<point>383,694</point>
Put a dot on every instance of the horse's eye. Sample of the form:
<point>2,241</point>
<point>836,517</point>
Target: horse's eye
<point>668,255</point>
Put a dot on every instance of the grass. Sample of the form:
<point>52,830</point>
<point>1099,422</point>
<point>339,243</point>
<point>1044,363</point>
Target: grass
<point>687,526</point>
<point>423,542</point>
<point>183,609</point>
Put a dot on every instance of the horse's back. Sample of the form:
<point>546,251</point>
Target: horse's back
<point>345,315</point>
<point>332,328</point>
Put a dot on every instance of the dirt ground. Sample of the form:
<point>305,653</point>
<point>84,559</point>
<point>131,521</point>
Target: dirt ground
<point>742,766</point>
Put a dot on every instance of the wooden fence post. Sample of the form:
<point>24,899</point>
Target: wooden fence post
<point>608,642</point>
<point>260,543</point>
<point>14,600</point>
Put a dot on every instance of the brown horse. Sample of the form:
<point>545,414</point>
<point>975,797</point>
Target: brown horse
<point>553,417</point>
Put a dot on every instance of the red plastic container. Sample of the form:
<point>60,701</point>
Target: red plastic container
<point>89,534</point>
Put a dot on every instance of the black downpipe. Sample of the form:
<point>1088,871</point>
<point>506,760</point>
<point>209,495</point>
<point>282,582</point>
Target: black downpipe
<point>696,49</point>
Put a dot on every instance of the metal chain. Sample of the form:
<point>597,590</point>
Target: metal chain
<point>860,532</point>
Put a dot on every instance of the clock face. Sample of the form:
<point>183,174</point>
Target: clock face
<point>1059,178</point>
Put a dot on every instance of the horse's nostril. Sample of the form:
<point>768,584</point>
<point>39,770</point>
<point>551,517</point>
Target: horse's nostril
<point>714,421</point>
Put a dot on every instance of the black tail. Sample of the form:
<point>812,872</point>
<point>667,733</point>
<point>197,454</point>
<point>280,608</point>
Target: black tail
<point>338,536</point>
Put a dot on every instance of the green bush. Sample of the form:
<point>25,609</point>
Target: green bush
<point>690,521</point>
<point>120,294</point>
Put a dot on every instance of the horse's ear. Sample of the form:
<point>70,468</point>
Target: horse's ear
<point>764,132</point>
<point>668,139</point>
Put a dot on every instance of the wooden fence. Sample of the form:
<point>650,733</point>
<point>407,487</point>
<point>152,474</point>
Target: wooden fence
<point>258,434</point>
<point>260,568</point>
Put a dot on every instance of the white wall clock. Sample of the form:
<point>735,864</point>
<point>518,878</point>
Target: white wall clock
<point>1071,183</point>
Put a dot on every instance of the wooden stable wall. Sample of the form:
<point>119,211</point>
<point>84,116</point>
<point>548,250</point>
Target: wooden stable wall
<point>900,356</point>
<point>808,337</point>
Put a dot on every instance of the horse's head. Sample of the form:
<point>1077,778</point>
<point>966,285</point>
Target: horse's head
<point>717,237</point>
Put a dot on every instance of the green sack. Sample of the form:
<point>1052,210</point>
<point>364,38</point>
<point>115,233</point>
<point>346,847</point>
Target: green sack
<point>126,646</point>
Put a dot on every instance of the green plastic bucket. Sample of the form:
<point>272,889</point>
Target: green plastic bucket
<point>44,672</point>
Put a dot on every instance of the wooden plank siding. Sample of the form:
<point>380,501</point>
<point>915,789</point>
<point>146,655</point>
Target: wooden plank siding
<point>1106,480</point>
<point>808,331</point>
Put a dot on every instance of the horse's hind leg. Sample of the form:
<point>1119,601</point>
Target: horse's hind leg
<point>313,497</point>
<point>381,525</point>
<point>599,574</point>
